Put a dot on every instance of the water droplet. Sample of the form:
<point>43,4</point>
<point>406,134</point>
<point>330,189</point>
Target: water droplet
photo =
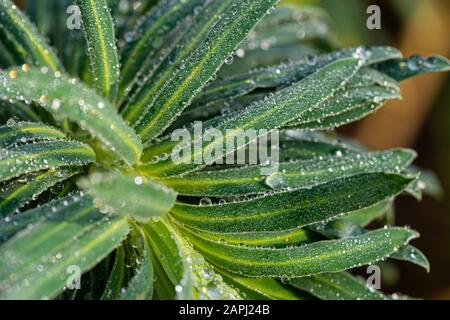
<point>240,53</point>
<point>56,104</point>
<point>275,181</point>
<point>138,180</point>
<point>421,185</point>
<point>311,60</point>
<point>205,201</point>
<point>229,59</point>
<point>11,122</point>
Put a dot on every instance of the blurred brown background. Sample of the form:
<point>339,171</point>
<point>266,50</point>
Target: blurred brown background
<point>421,121</point>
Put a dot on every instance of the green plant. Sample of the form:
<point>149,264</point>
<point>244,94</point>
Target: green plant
<point>87,185</point>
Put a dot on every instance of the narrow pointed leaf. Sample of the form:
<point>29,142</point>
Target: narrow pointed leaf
<point>68,99</point>
<point>345,117</point>
<point>140,286</point>
<point>264,46</point>
<point>411,254</point>
<point>283,75</point>
<point>116,277</point>
<point>21,132</point>
<point>22,32</point>
<point>201,66</point>
<point>38,262</point>
<point>402,69</point>
<point>205,17</point>
<point>148,35</point>
<point>427,183</point>
<point>353,223</point>
<point>318,257</point>
<point>261,288</point>
<point>18,110</point>
<point>368,86</point>
<point>33,157</point>
<point>249,180</point>
<point>99,32</point>
<point>140,198</point>
<point>337,286</point>
<point>192,276</point>
<point>7,59</point>
<point>310,147</point>
<point>272,239</point>
<point>286,105</point>
<point>22,191</point>
<point>12,225</point>
<point>346,104</point>
<point>293,209</point>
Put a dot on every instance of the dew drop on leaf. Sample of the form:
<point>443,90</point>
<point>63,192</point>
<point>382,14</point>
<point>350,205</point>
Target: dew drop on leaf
<point>275,181</point>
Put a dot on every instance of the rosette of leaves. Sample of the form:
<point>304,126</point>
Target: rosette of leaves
<point>92,207</point>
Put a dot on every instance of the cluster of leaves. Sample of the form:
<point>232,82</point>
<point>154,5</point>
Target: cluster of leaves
<point>86,182</point>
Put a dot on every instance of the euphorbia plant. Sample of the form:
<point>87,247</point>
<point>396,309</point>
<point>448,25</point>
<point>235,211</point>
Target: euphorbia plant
<point>89,186</point>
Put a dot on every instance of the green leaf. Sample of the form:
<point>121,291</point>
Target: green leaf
<point>33,157</point>
<point>18,110</point>
<point>99,32</point>
<point>249,180</point>
<point>39,261</point>
<point>140,198</point>
<point>283,75</point>
<point>234,93</point>
<point>284,106</point>
<point>12,225</point>
<point>39,12</point>
<point>147,37</point>
<point>205,17</point>
<point>337,286</point>
<point>204,62</point>
<point>265,239</point>
<point>20,192</point>
<point>261,288</point>
<point>293,209</point>
<point>68,99</point>
<point>191,275</point>
<point>309,147</point>
<point>164,287</point>
<point>353,102</point>
<point>140,286</point>
<point>427,183</point>
<point>287,14</point>
<point>116,277</point>
<point>21,132</point>
<point>368,89</point>
<point>411,254</point>
<point>353,223</point>
<point>342,118</point>
<point>24,34</point>
<point>293,262</point>
<point>402,69</point>
<point>289,33</point>
<point>265,46</point>
<point>8,58</point>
